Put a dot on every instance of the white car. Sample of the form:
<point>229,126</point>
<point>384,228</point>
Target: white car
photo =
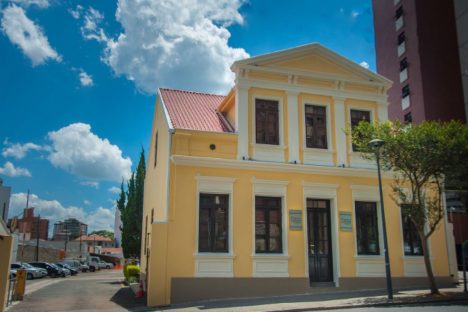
<point>31,272</point>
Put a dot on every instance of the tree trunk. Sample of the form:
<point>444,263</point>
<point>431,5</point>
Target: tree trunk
<point>427,262</point>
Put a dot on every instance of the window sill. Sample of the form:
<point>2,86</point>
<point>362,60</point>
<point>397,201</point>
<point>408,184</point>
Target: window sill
<point>269,146</point>
<point>213,255</point>
<point>376,258</point>
<point>317,150</point>
<point>270,256</point>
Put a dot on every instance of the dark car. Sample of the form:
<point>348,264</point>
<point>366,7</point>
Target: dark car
<point>65,266</point>
<point>52,270</point>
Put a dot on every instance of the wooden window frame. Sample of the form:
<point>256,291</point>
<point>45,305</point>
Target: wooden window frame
<point>314,116</point>
<point>362,221</point>
<point>407,225</point>
<point>266,236</point>
<point>353,124</point>
<point>212,223</point>
<point>156,150</point>
<point>263,125</point>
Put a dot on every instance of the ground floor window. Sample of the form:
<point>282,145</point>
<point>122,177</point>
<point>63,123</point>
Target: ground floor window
<point>268,229</point>
<point>411,239</point>
<point>213,223</point>
<point>367,229</point>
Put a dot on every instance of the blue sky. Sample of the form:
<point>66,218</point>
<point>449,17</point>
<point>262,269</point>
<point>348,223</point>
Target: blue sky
<point>78,81</point>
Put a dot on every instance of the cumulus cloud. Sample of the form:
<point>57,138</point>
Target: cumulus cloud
<point>27,35</point>
<point>19,150</point>
<point>114,189</point>
<point>81,152</point>
<point>86,80</point>
<point>99,219</point>
<point>182,44</point>
<point>76,12</point>
<point>364,64</point>
<point>27,3</point>
<point>91,184</point>
<point>10,170</point>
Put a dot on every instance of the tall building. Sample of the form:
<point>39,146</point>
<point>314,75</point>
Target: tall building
<point>31,227</point>
<point>5,192</point>
<point>70,227</point>
<point>418,48</point>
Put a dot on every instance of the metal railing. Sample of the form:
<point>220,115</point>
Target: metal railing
<point>11,290</point>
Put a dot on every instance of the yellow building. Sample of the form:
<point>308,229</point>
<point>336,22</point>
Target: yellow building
<point>260,193</point>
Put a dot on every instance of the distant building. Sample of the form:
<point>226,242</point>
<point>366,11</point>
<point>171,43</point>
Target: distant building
<point>5,192</point>
<point>95,243</point>
<point>31,227</point>
<point>117,231</point>
<point>70,227</point>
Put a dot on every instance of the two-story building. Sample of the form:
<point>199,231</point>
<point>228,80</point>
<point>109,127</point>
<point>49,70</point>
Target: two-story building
<point>260,192</point>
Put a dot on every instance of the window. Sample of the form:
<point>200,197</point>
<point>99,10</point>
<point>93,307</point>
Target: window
<point>399,12</point>
<point>268,236</point>
<point>146,233</point>
<point>367,230</point>
<point>213,223</point>
<point>403,64</point>
<point>267,122</point>
<point>156,150</point>
<point>401,38</point>
<point>152,215</point>
<point>408,118</point>
<point>356,117</point>
<point>316,126</point>
<point>411,239</point>
<point>405,91</point>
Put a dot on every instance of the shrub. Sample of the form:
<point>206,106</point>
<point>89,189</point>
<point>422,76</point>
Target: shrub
<point>131,273</point>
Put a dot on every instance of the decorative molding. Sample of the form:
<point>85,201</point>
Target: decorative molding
<point>269,187</point>
<point>270,266</point>
<point>214,266</point>
<point>365,192</point>
<point>370,266</point>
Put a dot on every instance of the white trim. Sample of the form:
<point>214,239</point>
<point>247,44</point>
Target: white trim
<point>317,156</point>
<point>293,128</point>
<point>242,122</point>
<point>355,157</point>
<point>209,162</point>
<point>340,135</point>
<point>215,264</point>
<point>166,113</point>
<point>329,192</point>
<point>271,265</point>
<point>268,152</point>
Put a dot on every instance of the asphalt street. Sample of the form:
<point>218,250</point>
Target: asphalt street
<point>457,307</point>
<point>99,291</point>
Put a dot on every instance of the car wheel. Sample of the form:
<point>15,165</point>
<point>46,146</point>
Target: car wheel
<point>108,267</point>
<point>29,276</point>
<point>92,269</point>
<point>53,274</point>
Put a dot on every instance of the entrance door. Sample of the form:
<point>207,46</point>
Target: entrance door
<point>319,240</point>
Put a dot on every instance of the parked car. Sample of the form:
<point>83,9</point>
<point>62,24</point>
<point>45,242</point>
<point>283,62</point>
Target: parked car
<point>31,272</point>
<point>65,272</point>
<point>52,271</point>
<point>12,273</point>
<point>93,263</point>
<point>109,265</point>
<point>84,267</point>
<point>66,267</point>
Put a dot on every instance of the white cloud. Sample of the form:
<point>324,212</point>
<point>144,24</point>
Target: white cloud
<point>85,79</point>
<point>182,44</point>
<point>90,29</point>
<point>86,202</point>
<point>79,151</point>
<point>364,64</point>
<point>355,14</point>
<point>114,189</point>
<point>76,13</point>
<point>26,3</point>
<point>98,219</point>
<point>10,170</point>
<point>91,184</point>
<point>27,35</point>
<point>19,150</point>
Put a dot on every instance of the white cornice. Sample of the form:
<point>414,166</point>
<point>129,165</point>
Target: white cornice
<point>166,113</point>
<point>208,162</point>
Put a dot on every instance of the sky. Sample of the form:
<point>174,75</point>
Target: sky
<point>78,82</point>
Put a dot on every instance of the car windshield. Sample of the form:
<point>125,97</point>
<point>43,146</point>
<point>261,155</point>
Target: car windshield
<point>27,266</point>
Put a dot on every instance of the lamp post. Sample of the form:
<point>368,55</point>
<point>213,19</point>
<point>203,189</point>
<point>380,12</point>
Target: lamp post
<point>376,144</point>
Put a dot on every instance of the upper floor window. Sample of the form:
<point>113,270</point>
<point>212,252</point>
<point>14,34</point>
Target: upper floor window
<point>267,122</point>
<point>401,37</point>
<point>156,150</point>
<point>408,118</point>
<point>403,64</point>
<point>316,126</point>
<point>213,223</point>
<point>367,229</point>
<point>411,239</point>
<point>399,12</point>
<point>356,117</point>
<point>268,232</point>
<point>405,91</point>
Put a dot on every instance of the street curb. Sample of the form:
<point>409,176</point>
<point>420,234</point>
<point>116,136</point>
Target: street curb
<point>371,305</point>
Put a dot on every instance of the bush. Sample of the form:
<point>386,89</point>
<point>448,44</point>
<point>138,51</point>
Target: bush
<point>131,273</point>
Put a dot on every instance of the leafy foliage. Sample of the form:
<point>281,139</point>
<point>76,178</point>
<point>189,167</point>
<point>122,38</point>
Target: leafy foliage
<point>104,233</point>
<point>423,157</point>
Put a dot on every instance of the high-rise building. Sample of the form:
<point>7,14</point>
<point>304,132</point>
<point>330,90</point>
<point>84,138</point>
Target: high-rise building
<point>5,192</point>
<point>420,49</point>
<point>31,227</point>
<point>71,228</point>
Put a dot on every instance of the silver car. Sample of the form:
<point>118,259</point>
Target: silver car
<point>31,272</point>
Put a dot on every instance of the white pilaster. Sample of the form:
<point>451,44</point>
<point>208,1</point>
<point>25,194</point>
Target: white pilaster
<point>293,127</point>
<point>383,111</point>
<point>340,127</point>
<point>242,122</point>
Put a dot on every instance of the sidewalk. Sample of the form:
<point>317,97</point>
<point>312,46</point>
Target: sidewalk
<point>329,301</point>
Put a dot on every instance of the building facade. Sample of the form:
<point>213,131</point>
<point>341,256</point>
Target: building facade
<point>418,48</point>
<point>260,190</point>
<point>5,193</point>
<point>31,227</point>
<point>95,243</point>
<point>69,229</point>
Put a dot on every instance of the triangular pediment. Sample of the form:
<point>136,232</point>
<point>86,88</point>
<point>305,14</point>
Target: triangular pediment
<point>312,59</point>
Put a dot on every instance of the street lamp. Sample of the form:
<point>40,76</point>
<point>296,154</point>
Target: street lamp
<point>375,145</point>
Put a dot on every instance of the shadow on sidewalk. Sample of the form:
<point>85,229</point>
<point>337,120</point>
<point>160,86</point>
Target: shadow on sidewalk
<point>125,298</point>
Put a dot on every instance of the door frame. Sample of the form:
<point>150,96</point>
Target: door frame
<point>328,192</point>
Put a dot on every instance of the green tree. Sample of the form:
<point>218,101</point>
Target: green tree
<point>422,157</point>
<point>104,233</point>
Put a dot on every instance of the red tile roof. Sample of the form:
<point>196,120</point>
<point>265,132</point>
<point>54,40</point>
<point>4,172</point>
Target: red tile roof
<point>193,110</point>
<point>111,250</point>
<point>94,236</point>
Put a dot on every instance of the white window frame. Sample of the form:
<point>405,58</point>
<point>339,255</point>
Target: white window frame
<point>211,264</point>
<point>271,264</point>
<point>317,156</point>
<point>368,265</point>
<point>268,152</point>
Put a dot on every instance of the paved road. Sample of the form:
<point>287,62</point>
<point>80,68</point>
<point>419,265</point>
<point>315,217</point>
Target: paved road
<point>100,291</point>
<point>425,308</point>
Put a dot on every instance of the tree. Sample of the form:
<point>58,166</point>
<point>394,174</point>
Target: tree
<point>104,233</point>
<point>130,204</point>
<point>422,157</point>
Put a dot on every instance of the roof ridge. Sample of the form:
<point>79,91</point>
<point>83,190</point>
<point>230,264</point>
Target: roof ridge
<point>190,91</point>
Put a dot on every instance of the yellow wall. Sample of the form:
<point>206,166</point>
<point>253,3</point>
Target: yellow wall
<point>6,247</point>
<point>197,143</point>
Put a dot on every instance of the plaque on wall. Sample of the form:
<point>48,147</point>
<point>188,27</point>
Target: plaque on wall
<point>295,220</point>
<point>345,222</point>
